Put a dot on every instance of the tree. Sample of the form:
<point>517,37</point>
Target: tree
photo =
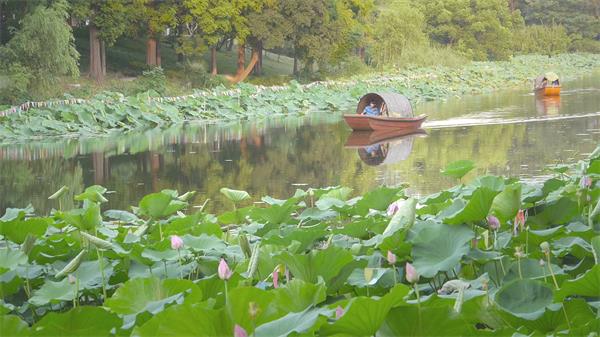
<point>205,23</point>
<point>269,29</point>
<point>480,29</point>
<point>43,47</point>
<point>241,31</point>
<point>107,20</point>
<point>397,26</point>
<point>155,16</point>
<point>579,17</point>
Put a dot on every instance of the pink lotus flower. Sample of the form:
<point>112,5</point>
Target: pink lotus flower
<point>493,222</point>
<point>176,242</point>
<point>393,208</point>
<point>519,222</point>
<point>391,257</point>
<point>238,331</point>
<point>223,270</point>
<point>339,312</point>
<point>276,277</point>
<point>585,182</point>
<point>411,273</point>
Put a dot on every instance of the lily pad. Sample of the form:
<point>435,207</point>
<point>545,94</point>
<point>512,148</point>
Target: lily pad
<point>526,299</point>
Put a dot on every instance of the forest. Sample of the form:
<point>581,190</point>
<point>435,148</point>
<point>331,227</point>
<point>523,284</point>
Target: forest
<point>52,47</point>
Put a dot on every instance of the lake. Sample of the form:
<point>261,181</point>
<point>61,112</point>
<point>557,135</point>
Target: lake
<point>510,133</point>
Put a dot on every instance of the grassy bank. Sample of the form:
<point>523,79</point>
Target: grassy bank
<point>496,256</point>
<point>108,112</point>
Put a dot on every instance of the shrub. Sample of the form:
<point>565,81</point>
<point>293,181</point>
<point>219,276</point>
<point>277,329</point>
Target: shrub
<point>14,81</point>
<point>540,39</point>
<point>153,79</point>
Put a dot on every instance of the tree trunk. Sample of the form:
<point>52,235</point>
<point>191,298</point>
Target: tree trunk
<point>103,57</point>
<point>95,55</point>
<point>152,53</point>
<point>241,59</point>
<point>258,66</point>
<point>213,61</point>
<point>361,53</point>
<point>1,23</point>
<point>512,4</point>
<point>243,74</point>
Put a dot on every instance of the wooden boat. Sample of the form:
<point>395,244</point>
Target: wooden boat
<point>396,110</point>
<point>549,91</point>
<point>547,85</point>
<point>391,123</point>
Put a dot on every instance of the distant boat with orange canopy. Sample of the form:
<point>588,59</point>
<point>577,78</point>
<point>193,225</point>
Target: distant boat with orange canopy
<point>395,113</point>
<point>547,85</point>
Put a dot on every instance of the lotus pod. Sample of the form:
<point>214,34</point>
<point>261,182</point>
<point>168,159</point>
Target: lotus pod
<point>28,244</point>
<point>71,266</point>
<point>59,193</point>
<point>245,245</point>
<point>96,241</point>
<point>253,265</point>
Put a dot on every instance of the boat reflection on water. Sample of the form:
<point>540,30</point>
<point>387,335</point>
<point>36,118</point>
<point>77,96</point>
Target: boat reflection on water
<point>547,105</point>
<point>383,147</point>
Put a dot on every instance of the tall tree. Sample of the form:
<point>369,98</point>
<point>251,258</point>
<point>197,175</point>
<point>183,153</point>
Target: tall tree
<point>480,29</point>
<point>205,22</point>
<point>43,45</point>
<point>579,17</point>
<point>269,29</point>
<point>241,31</point>
<point>155,17</point>
<point>107,20</point>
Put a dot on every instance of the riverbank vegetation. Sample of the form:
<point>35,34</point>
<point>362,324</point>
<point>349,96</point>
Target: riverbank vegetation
<point>109,111</point>
<point>204,43</point>
<point>493,256</point>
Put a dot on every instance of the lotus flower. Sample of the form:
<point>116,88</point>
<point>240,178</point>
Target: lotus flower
<point>223,270</point>
<point>176,242</point>
<point>585,182</point>
<point>339,312</point>
<point>276,277</point>
<point>238,331</point>
<point>493,222</point>
<point>411,273</point>
<point>391,257</point>
<point>542,262</point>
<point>545,247</point>
<point>519,221</point>
<point>393,208</point>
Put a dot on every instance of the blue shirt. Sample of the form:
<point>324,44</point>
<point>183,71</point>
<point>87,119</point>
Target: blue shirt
<point>371,111</point>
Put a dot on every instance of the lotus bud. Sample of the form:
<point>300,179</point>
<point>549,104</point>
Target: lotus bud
<point>391,258</point>
<point>519,253</point>
<point>238,331</point>
<point>542,262</point>
<point>176,242</point>
<point>393,208</point>
<point>223,271</point>
<point>411,273</point>
<point>276,277</point>
<point>545,246</point>
<point>253,310</point>
<point>585,182</point>
<point>71,279</point>
<point>493,222</point>
<point>339,312</point>
<point>519,221</point>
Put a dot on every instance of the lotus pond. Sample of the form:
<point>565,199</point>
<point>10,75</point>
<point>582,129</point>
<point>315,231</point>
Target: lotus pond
<point>494,256</point>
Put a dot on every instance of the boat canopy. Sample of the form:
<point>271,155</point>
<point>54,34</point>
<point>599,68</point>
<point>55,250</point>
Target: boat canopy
<point>549,77</point>
<point>393,104</point>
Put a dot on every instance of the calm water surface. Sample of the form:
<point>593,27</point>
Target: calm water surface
<point>509,133</point>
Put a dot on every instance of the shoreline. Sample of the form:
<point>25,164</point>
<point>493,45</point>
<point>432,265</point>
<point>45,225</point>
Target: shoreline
<point>110,112</point>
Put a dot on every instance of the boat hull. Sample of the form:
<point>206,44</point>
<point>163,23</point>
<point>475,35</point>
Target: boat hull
<point>549,91</point>
<point>369,123</point>
<point>391,123</point>
<point>358,122</point>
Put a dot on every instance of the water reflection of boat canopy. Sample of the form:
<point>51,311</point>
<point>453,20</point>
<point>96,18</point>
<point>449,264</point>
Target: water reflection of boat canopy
<point>390,104</point>
<point>377,148</point>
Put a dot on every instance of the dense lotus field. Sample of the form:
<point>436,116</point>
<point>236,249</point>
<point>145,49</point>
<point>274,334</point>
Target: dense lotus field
<point>495,256</point>
<point>108,112</point>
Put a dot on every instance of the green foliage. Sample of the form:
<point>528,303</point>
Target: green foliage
<point>471,281</point>
<point>537,39</point>
<point>153,79</point>
<point>43,48</point>
<point>14,82</point>
<point>480,29</point>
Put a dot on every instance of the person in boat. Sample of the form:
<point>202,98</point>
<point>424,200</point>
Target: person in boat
<point>371,109</point>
